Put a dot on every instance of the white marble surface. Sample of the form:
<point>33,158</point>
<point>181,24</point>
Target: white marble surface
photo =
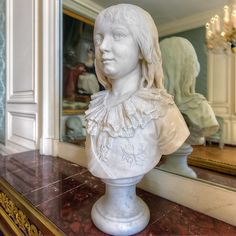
<point>120,211</point>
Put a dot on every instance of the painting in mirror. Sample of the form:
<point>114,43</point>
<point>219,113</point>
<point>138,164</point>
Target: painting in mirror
<point>79,77</point>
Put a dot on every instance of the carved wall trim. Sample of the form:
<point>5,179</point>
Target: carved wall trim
<point>187,23</point>
<point>86,8</point>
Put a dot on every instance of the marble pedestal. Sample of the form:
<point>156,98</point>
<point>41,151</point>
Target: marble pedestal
<point>177,162</point>
<point>120,211</point>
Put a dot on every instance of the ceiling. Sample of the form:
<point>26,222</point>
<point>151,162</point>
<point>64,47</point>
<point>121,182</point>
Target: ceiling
<point>165,11</point>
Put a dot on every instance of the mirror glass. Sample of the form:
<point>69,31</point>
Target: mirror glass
<point>214,161</point>
<point>79,80</point>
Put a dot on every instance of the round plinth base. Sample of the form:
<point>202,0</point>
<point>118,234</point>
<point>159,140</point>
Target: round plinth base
<point>118,223</point>
<point>120,211</point>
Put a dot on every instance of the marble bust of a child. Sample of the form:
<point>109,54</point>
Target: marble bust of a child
<point>134,121</point>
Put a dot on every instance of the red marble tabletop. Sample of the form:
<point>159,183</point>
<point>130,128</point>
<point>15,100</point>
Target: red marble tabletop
<point>66,192</point>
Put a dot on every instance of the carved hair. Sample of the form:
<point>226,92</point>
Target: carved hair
<point>144,31</point>
<point>181,67</point>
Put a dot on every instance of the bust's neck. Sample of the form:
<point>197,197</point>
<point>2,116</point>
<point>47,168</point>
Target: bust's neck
<point>127,84</point>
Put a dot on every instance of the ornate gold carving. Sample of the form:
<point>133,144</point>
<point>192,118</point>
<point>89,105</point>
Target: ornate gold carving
<point>19,218</point>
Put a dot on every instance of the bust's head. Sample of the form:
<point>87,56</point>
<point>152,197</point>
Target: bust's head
<point>138,24</point>
<point>180,66</point>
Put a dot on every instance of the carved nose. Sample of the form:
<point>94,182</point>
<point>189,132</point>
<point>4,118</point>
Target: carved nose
<point>105,45</point>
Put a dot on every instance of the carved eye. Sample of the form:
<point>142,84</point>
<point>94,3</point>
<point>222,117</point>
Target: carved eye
<point>98,39</point>
<point>118,35</point>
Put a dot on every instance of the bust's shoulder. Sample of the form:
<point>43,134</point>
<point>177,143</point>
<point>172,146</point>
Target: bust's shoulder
<point>155,95</point>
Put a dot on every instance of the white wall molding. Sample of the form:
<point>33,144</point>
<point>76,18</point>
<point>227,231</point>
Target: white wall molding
<point>209,199</point>
<point>12,148</point>
<point>21,96</point>
<point>85,8</point>
<point>51,76</point>
<point>22,128</point>
<point>23,71</point>
<point>89,9</point>
<point>72,153</point>
<point>187,23</point>
<point>6,150</point>
<point>49,146</point>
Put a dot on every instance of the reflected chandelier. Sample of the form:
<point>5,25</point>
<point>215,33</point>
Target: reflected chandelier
<point>221,35</point>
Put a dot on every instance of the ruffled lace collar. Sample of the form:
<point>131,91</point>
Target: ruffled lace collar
<point>131,112</point>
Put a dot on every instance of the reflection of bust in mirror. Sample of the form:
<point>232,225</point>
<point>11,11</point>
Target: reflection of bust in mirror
<point>181,67</point>
<point>74,130</point>
<point>134,121</point>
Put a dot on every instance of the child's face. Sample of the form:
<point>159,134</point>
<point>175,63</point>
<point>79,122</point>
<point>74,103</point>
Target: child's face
<point>116,50</point>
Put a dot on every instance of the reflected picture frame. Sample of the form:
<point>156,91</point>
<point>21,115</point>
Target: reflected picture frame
<point>78,77</point>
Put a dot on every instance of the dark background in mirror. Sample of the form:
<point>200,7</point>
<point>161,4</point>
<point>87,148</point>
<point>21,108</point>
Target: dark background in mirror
<point>79,78</point>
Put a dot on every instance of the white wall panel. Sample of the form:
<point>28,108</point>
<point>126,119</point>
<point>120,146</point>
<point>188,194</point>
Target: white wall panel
<point>233,132</point>
<point>24,70</point>
<point>23,46</point>
<point>22,51</point>
<point>22,129</point>
<point>220,75</point>
<point>219,109</point>
<point>221,91</point>
<point>233,92</point>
